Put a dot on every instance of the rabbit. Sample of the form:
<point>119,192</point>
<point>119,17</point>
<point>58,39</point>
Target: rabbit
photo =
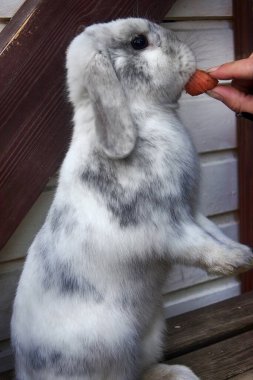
<point>89,300</point>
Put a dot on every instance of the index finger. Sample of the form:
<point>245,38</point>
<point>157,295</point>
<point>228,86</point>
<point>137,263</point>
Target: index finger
<point>241,69</point>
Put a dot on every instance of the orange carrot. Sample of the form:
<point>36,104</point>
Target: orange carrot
<point>200,82</point>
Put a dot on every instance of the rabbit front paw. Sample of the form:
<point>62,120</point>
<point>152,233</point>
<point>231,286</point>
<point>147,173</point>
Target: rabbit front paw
<point>230,260</point>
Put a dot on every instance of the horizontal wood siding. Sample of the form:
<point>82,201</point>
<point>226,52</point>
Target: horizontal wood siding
<point>219,187</point>
<point>207,28</point>
<point>200,8</point>
<point>199,295</point>
<point>211,125</point>
<point>9,7</point>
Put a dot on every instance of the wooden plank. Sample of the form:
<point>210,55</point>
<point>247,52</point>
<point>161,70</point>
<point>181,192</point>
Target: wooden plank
<point>219,190</point>
<point>193,8</point>
<point>245,376</point>
<point>9,7</point>
<point>35,118</point>
<point>222,360</point>
<point>211,125</point>
<point>209,325</point>
<point>243,48</point>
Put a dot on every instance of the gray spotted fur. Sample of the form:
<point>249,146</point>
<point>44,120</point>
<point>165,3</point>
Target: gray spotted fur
<point>89,301</point>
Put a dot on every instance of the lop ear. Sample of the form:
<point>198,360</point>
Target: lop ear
<point>115,127</point>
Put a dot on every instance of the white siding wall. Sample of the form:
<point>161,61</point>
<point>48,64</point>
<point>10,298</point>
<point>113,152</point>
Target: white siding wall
<point>9,7</point>
<point>207,28</point>
<point>7,10</point>
<point>212,127</point>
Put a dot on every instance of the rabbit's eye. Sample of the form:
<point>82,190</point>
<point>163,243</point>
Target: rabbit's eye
<point>139,42</point>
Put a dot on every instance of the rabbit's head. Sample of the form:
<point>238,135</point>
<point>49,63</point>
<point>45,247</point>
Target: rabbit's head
<point>121,64</point>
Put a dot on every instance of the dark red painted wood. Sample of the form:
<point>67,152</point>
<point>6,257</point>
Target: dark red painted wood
<point>35,117</point>
<point>243,17</point>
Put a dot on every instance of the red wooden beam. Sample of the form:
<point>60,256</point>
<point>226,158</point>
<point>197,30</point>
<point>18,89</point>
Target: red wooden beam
<point>35,117</point>
<point>243,17</point>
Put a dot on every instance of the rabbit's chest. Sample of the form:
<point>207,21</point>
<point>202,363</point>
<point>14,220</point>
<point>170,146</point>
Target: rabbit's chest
<point>137,285</point>
<point>136,201</point>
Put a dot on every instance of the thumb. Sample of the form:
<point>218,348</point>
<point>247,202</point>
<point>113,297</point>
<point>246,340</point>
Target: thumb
<point>233,98</point>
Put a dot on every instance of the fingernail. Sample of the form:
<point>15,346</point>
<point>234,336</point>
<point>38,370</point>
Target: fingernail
<point>212,69</point>
<point>215,95</point>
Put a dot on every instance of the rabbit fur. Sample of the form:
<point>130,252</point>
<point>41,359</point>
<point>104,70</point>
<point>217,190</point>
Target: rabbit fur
<point>88,304</point>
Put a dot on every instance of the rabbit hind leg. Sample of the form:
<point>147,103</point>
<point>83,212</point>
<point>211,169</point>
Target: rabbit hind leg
<point>169,372</point>
<point>152,344</point>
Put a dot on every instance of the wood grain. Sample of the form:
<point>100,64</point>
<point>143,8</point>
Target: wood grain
<point>211,324</point>
<point>243,48</point>
<point>222,360</point>
<point>244,376</point>
<point>35,117</point>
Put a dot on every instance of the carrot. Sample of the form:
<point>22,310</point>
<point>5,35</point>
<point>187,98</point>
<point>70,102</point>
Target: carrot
<point>200,82</point>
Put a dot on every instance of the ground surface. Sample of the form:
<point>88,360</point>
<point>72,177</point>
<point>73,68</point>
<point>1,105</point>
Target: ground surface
<point>216,341</point>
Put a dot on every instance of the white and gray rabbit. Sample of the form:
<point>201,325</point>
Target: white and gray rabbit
<point>89,304</point>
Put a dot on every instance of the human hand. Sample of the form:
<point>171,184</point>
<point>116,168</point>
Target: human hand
<point>239,94</point>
